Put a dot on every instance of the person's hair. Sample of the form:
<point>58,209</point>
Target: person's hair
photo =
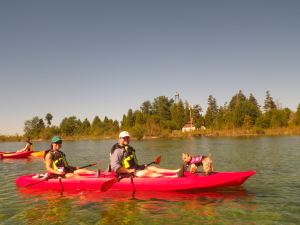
<point>51,146</point>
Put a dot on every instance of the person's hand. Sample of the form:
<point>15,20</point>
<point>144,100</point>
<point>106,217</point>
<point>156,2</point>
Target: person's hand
<point>132,171</point>
<point>61,173</point>
<point>145,165</point>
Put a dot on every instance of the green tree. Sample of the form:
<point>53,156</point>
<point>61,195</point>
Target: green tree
<point>242,109</point>
<point>247,122</point>
<point>164,112</point>
<point>269,103</point>
<point>85,126</point>
<point>212,103</point>
<point>196,112</point>
<point>253,101</point>
<point>146,107</point>
<point>177,113</point>
<point>68,126</point>
<point>31,126</point>
<point>48,118</point>
<point>236,99</point>
<point>156,105</point>
<point>130,119</point>
<point>297,116</point>
<point>209,117</point>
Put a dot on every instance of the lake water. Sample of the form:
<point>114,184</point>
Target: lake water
<point>269,197</point>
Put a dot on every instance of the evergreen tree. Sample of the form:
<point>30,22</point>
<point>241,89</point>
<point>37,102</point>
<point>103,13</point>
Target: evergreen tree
<point>212,103</point>
<point>269,103</point>
<point>85,126</point>
<point>124,124</point>
<point>139,119</point>
<point>177,113</point>
<point>209,117</point>
<point>196,112</point>
<point>236,99</point>
<point>241,97</point>
<point>130,119</point>
<point>253,100</point>
<point>164,112</point>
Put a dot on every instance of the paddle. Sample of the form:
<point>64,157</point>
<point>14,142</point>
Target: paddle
<point>105,186</point>
<point>54,175</point>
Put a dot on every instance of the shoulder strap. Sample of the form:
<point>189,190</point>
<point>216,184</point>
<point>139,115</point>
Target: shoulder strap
<point>113,148</point>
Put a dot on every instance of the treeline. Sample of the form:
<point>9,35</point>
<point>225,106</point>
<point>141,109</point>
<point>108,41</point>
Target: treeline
<point>163,116</point>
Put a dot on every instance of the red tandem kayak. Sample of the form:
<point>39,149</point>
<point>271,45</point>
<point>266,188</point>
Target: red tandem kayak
<point>188,182</point>
<point>15,154</point>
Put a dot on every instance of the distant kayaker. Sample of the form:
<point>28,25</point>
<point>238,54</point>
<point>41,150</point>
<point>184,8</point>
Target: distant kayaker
<point>56,162</point>
<point>28,146</point>
<point>123,160</point>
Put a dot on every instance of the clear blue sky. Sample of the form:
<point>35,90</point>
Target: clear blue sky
<point>101,58</point>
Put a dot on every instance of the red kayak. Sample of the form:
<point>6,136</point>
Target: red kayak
<point>15,154</point>
<point>188,182</point>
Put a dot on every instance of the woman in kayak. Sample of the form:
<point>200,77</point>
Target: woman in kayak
<point>28,146</point>
<point>56,162</point>
<point>123,160</point>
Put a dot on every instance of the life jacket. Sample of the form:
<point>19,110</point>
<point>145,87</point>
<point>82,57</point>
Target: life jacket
<point>197,160</point>
<point>58,159</point>
<point>30,148</point>
<point>129,158</point>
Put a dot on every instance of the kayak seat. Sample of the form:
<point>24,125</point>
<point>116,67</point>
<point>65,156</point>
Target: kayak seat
<point>108,168</point>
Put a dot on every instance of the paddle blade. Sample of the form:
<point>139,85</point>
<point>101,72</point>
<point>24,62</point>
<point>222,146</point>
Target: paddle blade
<point>108,184</point>
<point>157,160</point>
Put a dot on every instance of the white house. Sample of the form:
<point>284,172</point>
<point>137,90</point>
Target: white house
<point>188,127</point>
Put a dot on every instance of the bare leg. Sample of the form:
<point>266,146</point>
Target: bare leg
<point>159,170</point>
<point>83,171</point>
<point>148,173</point>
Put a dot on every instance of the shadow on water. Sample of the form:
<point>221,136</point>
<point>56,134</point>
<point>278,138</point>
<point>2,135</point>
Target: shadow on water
<point>119,206</point>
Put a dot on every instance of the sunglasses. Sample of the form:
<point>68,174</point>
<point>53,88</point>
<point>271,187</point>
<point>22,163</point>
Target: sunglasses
<point>58,142</point>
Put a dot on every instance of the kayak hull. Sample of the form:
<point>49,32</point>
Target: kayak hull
<point>188,182</point>
<point>16,155</point>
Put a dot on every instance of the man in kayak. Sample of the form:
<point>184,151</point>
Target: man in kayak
<point>123,160</point>
<point>56,162</point>
<point>28,146</point>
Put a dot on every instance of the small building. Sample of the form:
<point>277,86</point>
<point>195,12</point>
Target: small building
<point>188,127</point>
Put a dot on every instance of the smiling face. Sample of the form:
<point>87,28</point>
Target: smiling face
<point>124,141</point>
<point>56,145</point>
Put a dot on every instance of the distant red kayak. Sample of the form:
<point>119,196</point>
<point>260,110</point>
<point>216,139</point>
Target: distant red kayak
<point>15,154</point>
<point>188,182</point>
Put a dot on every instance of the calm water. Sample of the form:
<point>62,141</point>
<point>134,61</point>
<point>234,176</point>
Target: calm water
<point>269,197</point>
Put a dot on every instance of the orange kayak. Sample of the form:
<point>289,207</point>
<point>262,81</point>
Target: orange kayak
<point>40,153</point>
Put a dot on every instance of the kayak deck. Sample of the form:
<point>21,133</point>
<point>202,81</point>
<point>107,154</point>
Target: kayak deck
<point>188,182</point>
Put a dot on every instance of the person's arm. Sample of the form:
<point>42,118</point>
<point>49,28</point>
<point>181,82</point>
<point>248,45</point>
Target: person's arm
<point>48,160</point>
<point>25,148</point>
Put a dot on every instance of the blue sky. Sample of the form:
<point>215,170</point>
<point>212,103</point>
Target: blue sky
<point>101,58</point>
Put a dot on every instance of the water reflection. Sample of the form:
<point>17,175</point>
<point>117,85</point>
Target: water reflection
<point>128,207</point>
